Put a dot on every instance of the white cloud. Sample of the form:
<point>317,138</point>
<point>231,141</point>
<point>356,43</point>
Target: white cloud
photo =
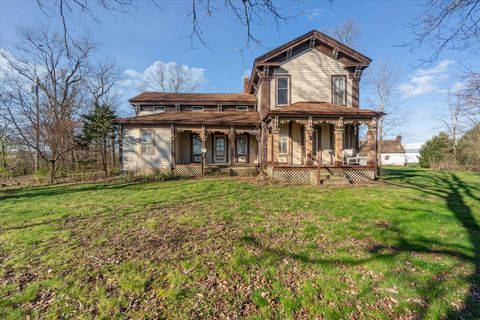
<point>429,80</point>
<point>142,81</point>
<point>315,13</point>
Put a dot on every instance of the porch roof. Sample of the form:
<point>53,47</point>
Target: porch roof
<point>198,118</point>
<point>321,108</point>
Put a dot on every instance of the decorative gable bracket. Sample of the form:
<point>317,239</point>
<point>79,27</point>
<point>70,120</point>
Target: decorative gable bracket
<point>358,73</point>
<point>289,53</point>
<point>312,42</point>
<point>335,52</point>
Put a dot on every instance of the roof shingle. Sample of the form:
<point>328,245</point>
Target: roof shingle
<point>193,98</point>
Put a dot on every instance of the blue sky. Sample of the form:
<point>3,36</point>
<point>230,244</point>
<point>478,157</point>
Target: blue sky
<point>153,34</point>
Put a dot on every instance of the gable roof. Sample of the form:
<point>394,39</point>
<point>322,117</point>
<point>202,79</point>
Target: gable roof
<point>205,117</point>
<point>352,57</point>
<point>392,146</point>
<point>194,98</point>
<point>388,146</point>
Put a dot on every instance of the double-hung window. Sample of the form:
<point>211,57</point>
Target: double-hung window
<point>242,148</point>
<point>339,90</point>
<point>283,139</point>
<point>147,142</point>
<point>196,148</point>
<point>283,84</point>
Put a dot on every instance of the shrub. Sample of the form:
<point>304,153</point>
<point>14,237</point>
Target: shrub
<point>437,151</point>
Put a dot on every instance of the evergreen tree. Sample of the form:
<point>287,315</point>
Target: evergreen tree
<point>98,127</point>
<point>437,150</point>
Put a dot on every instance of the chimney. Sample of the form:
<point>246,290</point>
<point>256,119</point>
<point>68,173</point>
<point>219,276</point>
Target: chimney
<point>246,80</point>
<point>399,139</point>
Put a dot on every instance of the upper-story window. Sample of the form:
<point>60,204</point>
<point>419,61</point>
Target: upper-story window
<point>197,108</point>
<point>339,90</point>
<point>242,108</point>
<point>153,108</point>
<point>283,85</point>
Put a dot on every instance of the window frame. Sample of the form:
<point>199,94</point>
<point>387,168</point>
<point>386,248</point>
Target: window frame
<point>283,76</point>
<point>239,108</point>
<point>284,137</point>
<point>151,144</point>
<point>333,88</point>
<point>154,108</point>
<point>194,155</point>
<point>200,108</point>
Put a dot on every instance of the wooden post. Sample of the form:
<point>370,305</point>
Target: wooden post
<point>173,136</point>
<point>275,139</point>
<point>203,137</point>
<point>309,142</point>
<point>339,142</point>
<point>231,142</point>
<point>372,143</point>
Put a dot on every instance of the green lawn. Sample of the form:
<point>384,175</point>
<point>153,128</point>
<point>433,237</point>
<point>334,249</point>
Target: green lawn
<point>409,249</point>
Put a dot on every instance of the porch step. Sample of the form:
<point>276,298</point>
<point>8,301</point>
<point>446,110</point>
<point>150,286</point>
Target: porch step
<point>217,171</point>
<point>335,177</point>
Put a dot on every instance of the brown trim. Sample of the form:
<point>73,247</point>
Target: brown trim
<point>356,93</point>
<point>289,94</point>
<point>152,130</point>
<point>345,86</point>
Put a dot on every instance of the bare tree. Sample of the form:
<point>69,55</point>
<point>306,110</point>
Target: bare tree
<point>382,90</point>
<point>446,24</point>
<point>245,12</point>
<point>42,58</point>
<point>470,94</point>
<point>454,120</point>
<point>348,33</point>
<point>101,82</point>
<point>172,77</point>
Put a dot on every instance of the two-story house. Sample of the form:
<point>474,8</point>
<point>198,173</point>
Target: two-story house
<point>298,120</point>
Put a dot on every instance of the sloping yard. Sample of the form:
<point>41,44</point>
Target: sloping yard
<point>243,249</point>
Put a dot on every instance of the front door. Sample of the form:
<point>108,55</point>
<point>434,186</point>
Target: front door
<point>220,149</point>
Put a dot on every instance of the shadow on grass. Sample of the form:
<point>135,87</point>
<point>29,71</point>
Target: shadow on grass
<point>449,187</point>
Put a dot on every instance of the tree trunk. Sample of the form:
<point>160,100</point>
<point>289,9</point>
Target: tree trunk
<point>51,171</point>
<point>104,155</point>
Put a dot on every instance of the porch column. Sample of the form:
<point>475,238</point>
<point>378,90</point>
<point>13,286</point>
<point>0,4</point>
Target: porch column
<point>275,138</point>
<point>231,142</point>
<point>269,147</point>
<point>339,142</point>
<point>173,134</point>
<point>372,143</point>
<point>309,142</point>
<point>203,137</point>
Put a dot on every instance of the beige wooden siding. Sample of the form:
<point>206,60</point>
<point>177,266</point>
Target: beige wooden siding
<point>310,80</point>
<point>132,157</point>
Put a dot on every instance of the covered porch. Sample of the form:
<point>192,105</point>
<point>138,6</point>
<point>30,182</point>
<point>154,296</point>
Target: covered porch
<point>303,148</point>
<point>203,149</point>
